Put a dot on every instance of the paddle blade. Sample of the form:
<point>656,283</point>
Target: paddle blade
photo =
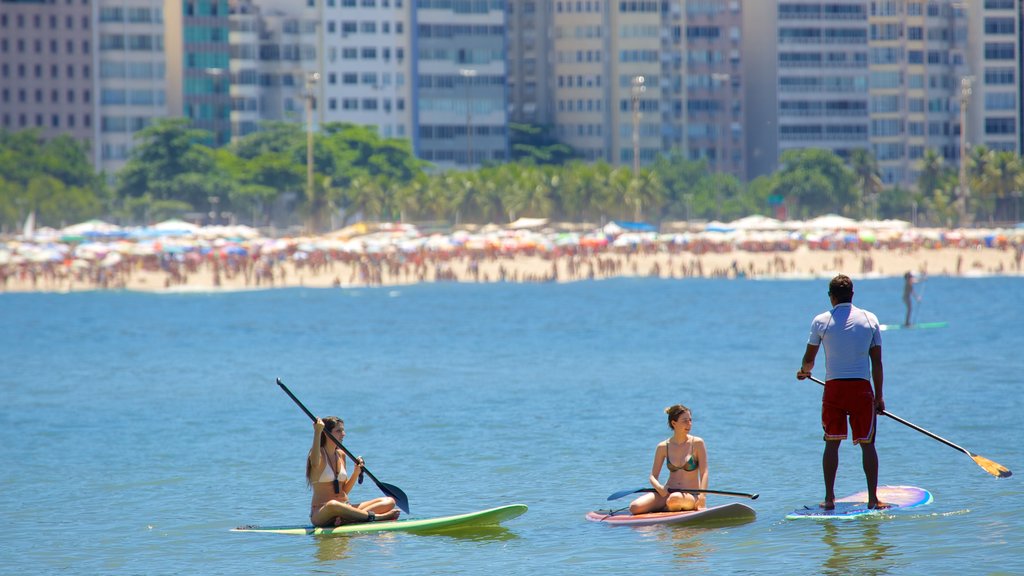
<point>994,468</point>
<point>401,500</point>
<point>622,493</point>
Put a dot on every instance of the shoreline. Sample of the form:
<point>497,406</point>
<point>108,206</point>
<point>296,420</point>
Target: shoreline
<point>326,270</point>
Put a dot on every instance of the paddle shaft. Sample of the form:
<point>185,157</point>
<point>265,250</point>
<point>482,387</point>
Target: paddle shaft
<point>333,439</point>
<point>914,426</point>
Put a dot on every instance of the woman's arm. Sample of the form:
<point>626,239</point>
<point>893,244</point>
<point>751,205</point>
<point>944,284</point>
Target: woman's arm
<point>659,460</point>
<point>314,452</point>
<point>702,470</point>
<point>354,477</point>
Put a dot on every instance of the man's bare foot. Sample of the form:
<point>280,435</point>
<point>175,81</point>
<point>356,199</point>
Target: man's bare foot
<point>879,506</point>
<point>827,505</point>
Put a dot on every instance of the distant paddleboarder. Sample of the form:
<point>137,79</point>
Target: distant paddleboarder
<point>910,295</point>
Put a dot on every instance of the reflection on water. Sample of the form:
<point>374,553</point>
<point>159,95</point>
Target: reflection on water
<point>331,548</point>
<point>687,544</point>
<point>857,549</point>
<point>477,534</point>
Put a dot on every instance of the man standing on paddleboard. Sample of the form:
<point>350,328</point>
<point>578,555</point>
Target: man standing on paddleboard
<point>853,360</point>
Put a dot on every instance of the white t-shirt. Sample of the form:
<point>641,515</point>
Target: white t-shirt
<point>848,333</point>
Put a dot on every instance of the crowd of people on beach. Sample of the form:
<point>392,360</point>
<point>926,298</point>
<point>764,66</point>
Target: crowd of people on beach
<point>398,254</point>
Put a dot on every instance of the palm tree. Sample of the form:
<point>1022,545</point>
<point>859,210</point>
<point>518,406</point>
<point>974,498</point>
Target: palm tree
<point>1004,174</point>
<point>869,182</point>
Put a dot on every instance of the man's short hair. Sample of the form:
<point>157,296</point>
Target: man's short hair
<point>841,288</point>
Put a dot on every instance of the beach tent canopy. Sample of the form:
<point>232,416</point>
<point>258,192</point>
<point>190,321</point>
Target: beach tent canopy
<point>636,226</point>
<point>830,222</point>
<point>756,222</point>
<point>524,223</point>
<point>175,227</point>
<point>891,224</point>
<point>92,228</point>
<point>716,226</point>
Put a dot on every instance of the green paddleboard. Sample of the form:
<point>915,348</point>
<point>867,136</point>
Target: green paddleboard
<point>490,517</point>
<point>918,326</point>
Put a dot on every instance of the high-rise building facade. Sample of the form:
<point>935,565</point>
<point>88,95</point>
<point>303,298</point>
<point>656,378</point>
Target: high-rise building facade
<point>714,80</point>
<point>461,107</point>
<point>47,69</point>
<point>527,24</point>
<point>917,59</point>
<point>635,79</point>
<point>822,76</point>
<point>994,64</point>
<point>131,84</point>
<point>198,65</point>
<point>581,85</point>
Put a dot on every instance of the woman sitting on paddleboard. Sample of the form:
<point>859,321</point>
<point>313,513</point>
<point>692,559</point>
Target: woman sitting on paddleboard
<point>325,472</point>
<point>687,462</point>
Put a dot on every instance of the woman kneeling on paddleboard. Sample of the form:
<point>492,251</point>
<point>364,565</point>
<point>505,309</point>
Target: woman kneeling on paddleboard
<point>325,472</point>
<point>687,462</point>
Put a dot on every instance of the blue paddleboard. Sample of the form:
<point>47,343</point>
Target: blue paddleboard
<point>854,505</point>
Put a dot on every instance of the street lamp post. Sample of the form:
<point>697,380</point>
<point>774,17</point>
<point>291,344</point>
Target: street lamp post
<point>638,89</point>
<point>214,202</point>
<point>311,80</point>
<point>965,96</point>
<point>721,78</point>
<point>467,78</point>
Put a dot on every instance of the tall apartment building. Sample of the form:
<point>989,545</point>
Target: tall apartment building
<point>47,69</point>
<point>366,67</point>
<point>582,87</point>
<point>461,109</point>
<point>994,71</point>
<point>131,84</point>
<point>672,69</point>
<point>528,66</point>
<point>198,65</point>
<point>715,77</point>
<point>275,64</point>
<point>822,76</point>
<point>918,57</point>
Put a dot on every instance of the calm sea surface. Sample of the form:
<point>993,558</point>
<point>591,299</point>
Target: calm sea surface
<point>137,429</point>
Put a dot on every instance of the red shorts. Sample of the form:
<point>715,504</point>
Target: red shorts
<point>853,399</point>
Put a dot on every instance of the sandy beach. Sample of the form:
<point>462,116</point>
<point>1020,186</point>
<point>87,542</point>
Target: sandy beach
<point>326,270</point>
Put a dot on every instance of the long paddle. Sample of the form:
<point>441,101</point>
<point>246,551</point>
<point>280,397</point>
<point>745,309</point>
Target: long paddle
<point>622,493</point>
<point>388,489</point>
<point>993,468</point>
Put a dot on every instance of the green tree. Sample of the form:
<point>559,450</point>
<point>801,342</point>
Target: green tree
<point>869,179</point>
<point>532,144</point>
<point>170,163</point>
<point>816,182</point>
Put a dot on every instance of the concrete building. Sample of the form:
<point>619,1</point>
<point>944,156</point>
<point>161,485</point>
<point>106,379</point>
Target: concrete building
<point>715,84</point>
<point>993,73</point>
<point>198,65</point>
<point>823,89</point>
<point>637,79</point>
<point>582,87</point>
<point>917,60</point>
<point>48,69</point>
<point>460,105</point>
<point>528,22</point>
<point>131,83</point>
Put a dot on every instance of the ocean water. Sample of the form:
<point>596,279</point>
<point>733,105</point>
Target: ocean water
<point>137,429</point>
